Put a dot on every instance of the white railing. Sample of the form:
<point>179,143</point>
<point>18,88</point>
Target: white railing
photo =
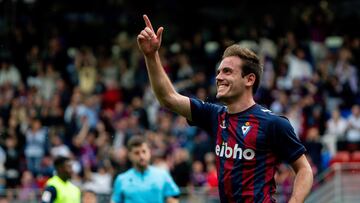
<point>188,195</point>
<point>338,184</point>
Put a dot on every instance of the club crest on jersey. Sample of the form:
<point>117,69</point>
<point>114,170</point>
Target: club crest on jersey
<point>245,128</point>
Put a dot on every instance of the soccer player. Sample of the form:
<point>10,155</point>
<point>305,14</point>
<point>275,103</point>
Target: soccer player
<point>143,183</point>
<point>250,140</point>
<point>58,188</point>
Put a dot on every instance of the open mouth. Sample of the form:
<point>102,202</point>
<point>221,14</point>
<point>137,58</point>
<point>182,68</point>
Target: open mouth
<point>220,87</point>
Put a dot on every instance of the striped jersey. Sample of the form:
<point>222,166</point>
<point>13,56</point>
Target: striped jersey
<point>249,146</point>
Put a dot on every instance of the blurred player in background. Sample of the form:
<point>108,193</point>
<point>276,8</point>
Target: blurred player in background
<point>59,189</point>
<point>143,183</point>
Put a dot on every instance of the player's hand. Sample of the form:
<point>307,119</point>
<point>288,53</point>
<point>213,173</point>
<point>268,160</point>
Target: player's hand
<point>148,41</point>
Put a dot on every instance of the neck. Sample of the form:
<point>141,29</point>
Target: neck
<point>241,104</point>
<point>140,169</point>
<point>63,178</point>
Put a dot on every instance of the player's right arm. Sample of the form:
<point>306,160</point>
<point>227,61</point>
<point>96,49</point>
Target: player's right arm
<point>116,196</point>
<point>149,43</point>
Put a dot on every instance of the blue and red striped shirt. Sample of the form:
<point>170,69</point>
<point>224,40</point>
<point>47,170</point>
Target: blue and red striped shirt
<point>249,146</point>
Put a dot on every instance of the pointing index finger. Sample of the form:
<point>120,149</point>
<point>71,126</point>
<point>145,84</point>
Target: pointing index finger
<point>147,22</point>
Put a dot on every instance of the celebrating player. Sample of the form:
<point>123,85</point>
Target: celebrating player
<point>250,140</point>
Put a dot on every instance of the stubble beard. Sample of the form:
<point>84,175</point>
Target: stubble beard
<point>141,167</point>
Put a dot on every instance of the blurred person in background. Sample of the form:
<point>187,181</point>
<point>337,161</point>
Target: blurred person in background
<point>12,164</point>
<point>28,187</point>
<point>241,140</point>
<point>335,131</point>
<point>89,196</point>
<point>143,183</point>
<point>353,129</point>
<point>35,146</point>
<point>181,170</point>
<point>9,73</point>
<point>59,189</point>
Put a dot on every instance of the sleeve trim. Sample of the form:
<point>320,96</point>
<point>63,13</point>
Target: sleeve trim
<point>296,154</point>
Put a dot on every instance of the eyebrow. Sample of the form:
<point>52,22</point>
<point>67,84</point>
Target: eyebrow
<point>222,68</point>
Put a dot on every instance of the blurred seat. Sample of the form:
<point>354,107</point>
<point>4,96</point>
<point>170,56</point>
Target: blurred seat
<point>340,157</point>
<point>355,157</point>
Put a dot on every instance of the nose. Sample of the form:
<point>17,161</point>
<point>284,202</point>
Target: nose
<point>142,155</point>
<point>218,76</point>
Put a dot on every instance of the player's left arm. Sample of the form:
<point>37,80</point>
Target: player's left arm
<point>303,179</point>
<point>289,149</point>
<point>171,190</point>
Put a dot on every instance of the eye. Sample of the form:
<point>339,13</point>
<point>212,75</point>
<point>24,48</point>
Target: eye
<point>227,70</point>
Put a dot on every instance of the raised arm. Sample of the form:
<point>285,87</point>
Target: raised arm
<point>149,44</point>
<point>303,180</point>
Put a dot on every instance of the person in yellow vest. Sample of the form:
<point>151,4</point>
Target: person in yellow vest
<point>58,188</point>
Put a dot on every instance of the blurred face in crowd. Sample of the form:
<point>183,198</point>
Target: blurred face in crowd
<point>229,82</point>
<point>89,197</point>
<point>36,125</point>
<point>356,110</point>
<point>140,156</point>
<point>336,114</point>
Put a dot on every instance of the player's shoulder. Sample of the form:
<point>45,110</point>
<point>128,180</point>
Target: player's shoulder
<point>157,170</point>
<point>207,104</point>
<point>280,121</point>
<point>125,175</point>
<point>271,116</point>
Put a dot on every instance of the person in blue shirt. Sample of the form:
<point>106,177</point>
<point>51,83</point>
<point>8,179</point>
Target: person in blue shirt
<point>143,183</point>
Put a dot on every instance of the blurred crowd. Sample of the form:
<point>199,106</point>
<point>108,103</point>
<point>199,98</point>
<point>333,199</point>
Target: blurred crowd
<point>86,101</point>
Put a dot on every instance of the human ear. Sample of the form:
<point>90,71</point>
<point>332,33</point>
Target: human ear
<point>251,77</point>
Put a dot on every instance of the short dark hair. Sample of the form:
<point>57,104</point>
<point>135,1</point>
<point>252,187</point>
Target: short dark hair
<point>251,62</point>
<point>60,161</point>
<point>136,141</point>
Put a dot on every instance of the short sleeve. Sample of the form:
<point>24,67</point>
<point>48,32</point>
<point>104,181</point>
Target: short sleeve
<point>203,114</point>
<point>116,195</point>
<point>170,187</point>
<point>49,195</point>
<point>285,142</point>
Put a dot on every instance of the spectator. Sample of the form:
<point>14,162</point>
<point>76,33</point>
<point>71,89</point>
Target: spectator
<point>335,131</point>
<point>98,182</point>
<point>35,146</point>
<point>181,170</point>
<point>28,187</point>
<point>299,67</point>
<point>198,175</point>
<point>89,196</point>
<point>353,130</point>
<point>58,148</point>
<point>12,164</point>
<point>9,74</point>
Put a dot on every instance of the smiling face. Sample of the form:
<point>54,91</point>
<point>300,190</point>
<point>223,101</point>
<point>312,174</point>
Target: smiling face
<point>229,81</point>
